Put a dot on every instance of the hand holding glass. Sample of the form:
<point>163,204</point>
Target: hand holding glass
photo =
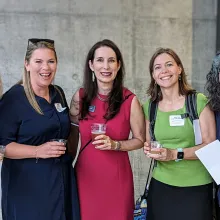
<point>97,129</point>
<point>155,145</point>
<point>60,140</point>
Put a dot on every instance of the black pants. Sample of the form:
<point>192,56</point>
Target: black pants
<point>217,208</point>
<point>167,202</point>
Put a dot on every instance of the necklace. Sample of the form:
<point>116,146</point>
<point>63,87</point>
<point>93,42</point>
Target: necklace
<point>102,99</point>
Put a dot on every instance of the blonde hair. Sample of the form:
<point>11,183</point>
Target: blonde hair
<point>26,75</point>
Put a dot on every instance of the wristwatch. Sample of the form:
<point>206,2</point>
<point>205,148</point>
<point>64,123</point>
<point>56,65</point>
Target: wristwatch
<point>180,154</point>
<point>117,145</point>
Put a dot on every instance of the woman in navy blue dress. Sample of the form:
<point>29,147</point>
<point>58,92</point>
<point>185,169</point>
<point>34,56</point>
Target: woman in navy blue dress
<point>38,180</point>
<point>213,88</point>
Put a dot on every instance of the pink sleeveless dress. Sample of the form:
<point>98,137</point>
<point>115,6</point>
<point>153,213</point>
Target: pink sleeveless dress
<point>105,180</point>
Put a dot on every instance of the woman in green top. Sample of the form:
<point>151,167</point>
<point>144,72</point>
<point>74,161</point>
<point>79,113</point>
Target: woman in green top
<point>180,188</point>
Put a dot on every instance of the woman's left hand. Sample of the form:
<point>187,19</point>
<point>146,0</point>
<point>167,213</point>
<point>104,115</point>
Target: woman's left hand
<point>104,142</point>
<point>164,154</point>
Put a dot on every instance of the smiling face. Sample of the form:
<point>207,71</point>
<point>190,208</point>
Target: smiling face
<point>105,65</point>
<point>42,66</point>
<point>166,72</point>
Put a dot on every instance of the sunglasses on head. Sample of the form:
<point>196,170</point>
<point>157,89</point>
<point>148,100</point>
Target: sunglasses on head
<point>36,40</point>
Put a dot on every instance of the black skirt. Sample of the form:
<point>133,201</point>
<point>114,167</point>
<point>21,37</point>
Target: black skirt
<point>167,202</point>
<point>217,207</point>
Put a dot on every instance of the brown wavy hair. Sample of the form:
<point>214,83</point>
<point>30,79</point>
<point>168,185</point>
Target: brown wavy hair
<point>154,90</point>
<point>115,97</point>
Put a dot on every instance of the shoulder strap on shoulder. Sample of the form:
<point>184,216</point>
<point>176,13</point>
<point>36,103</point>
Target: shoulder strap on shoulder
<point>152,117</point>
<point>126,97</point>
<point>60,93</point>
<point>191,106</point>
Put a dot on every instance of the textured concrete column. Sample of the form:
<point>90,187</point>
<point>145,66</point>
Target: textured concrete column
<point>218,27</point>
<point>203,40</point>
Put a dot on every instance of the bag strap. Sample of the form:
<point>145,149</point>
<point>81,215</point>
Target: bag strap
<point>148,179</point>
<point>153,105</point>
<point>60,93</point>
<point>152,112</point>
<point>126,97</point>
<point>85,146</point>
<point>191,106</point>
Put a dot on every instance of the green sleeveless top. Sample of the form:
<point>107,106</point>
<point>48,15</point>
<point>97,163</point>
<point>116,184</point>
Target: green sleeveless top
<point>185,172</point>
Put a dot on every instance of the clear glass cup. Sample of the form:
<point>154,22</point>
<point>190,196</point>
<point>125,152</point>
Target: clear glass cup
<point>154,145</point>
<point>98,129</point>
<point>60,140</point>
<point>2,151</point>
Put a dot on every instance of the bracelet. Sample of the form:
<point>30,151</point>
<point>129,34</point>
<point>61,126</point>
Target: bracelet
<point>36,149</point>
<point>117,146</point>
<point>74,124</point>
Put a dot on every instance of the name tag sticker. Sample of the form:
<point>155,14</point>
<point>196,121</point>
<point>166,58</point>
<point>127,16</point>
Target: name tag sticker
<point>91,108</point>
<point>176,120</point>
<point>59,107</point>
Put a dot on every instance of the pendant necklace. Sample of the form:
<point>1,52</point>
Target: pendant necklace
<point>102,99</point>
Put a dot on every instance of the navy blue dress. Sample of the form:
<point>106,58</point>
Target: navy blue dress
<point>45,190</point>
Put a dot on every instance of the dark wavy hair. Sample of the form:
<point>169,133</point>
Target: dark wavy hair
<point>154,90</point>
<point>115,97</point>
<point>213,85</point>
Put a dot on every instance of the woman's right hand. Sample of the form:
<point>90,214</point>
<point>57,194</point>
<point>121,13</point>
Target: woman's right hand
<point>50,149</point>
<point>147,149</point>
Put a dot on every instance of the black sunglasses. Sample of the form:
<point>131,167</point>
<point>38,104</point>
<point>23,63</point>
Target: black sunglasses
<point>36,40</point>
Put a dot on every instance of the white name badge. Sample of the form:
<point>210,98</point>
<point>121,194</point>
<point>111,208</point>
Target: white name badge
<point>176,120</point>
<point>59,107</point>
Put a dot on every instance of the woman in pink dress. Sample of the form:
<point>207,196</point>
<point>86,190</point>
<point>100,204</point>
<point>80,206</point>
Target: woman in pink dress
<point>103,170</point>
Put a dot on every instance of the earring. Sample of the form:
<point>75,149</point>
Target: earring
<point>155,83</point>
<point>93,76</point>
<point>179,77</point>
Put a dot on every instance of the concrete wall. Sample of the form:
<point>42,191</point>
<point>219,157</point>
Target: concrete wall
<point>204,40</point>
<point>137,26</point>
